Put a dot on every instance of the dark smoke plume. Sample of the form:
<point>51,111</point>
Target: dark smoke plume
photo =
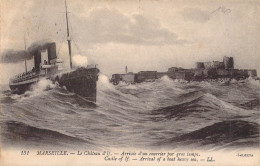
<point>39,45</point>
<point>14,56</point>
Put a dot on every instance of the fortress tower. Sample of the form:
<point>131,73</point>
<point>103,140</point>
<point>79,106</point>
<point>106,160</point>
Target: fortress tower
<point>228,62</point>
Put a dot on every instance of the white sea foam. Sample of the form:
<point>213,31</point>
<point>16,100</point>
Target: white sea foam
<point>255,83</point>
<point>79,60</point>
<point>40,87</point>
<point>104,83</point>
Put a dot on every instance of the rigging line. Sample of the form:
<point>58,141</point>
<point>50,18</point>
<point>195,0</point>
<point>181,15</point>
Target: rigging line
<point>68,35</point>
<point>64,35</point>
<point>72,34</point>
<point>80,52</point>
<point>63,38</point>
<point>74,39</point>
<point>71,31</point>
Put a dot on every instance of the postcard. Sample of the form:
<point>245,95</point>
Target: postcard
<point>129,82</point>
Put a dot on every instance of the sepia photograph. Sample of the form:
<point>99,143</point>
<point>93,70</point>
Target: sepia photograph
<point>129,82</point>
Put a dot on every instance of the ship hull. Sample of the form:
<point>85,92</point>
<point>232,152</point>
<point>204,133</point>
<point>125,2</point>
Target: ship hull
<point>22,87</point>
<point>82,81</point>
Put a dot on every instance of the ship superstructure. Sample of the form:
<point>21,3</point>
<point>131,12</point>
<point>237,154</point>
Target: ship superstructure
<point>44,65</point>
<point>81,81</point>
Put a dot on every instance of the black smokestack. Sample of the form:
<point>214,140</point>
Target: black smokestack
<point>14,56</point>
<point>39,45</point>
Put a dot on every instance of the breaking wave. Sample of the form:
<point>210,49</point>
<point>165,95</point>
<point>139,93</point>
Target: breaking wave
<point>164,113</point>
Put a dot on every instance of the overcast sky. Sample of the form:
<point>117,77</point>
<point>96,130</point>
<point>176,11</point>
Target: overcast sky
<point>142,34</point>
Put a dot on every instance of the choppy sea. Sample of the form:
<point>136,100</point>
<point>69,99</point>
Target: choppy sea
<point>162,114</point>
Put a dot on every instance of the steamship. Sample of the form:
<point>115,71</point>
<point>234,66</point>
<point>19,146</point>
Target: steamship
<point>82,81</point>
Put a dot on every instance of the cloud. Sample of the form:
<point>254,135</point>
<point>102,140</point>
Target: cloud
<point>195,15</point>
<point>105,25</point>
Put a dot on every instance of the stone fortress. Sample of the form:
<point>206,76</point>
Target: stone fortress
<point>203,71</point>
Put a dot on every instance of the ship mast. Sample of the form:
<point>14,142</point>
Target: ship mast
<point>68,34</point>
<point>25,63</point>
